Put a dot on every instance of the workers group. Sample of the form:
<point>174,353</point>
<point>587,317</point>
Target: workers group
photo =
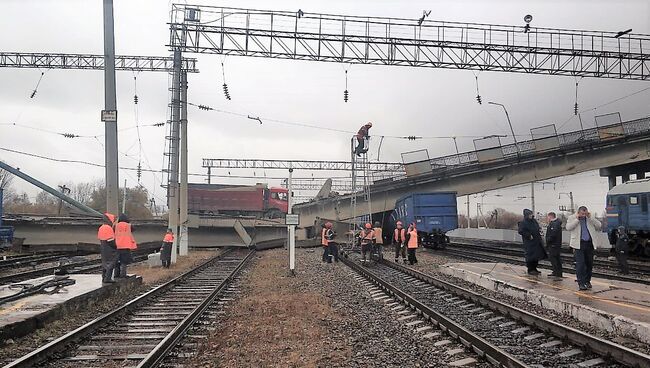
<point>371,241</point>
<point>116,245</point>
<point>583,241</point>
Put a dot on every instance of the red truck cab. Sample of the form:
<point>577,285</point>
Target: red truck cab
<point>279,198</point>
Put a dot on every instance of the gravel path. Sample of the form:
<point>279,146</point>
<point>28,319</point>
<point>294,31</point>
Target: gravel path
<point>323,317</point>
<point>429,261</point>
<point>10,350</point>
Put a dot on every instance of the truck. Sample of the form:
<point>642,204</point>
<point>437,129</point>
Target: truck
<point>238,200</point>
<point>434,214</point>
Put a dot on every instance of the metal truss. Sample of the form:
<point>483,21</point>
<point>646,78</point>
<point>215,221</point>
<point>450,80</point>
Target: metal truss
<point>408,42</point>
<point>229,163</point>
<point>343,186</point>
<point>92,62</point>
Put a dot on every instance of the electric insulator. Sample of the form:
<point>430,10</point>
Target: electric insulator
<point>575,109</point>
<point>225,92</point>
<point>33,94</point>
<point>68,135</point>
<point>139,172</point>
<point>204,107</point>
<point>479,100</point>
<point>158,124</point>
<point>346,95</point>
<point>135,99</point>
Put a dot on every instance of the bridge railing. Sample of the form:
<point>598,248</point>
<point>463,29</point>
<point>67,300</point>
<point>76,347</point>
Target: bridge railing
<point>523,149</point>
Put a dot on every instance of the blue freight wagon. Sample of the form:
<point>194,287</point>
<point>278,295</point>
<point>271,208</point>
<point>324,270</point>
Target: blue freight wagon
<point>433,213</point>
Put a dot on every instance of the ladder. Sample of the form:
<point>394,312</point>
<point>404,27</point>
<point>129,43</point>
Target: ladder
<point>360,183</point>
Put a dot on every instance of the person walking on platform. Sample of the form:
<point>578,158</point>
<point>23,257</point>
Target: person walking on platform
<point>621,243</point>
<point>532,238</point>
<point>412,243</point>
<point>125,244</point>
<point>399,241</point>
<point>107,248</point>
<point>362,139</point>
<point>554,244</point>
<point>166,249</point>
<point>582,226</point>
<point>379,240</point>
<point>367,236</point>
<point>325,243</point>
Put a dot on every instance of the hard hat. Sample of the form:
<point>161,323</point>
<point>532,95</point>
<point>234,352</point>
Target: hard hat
<point>328,225</point>
<point>369,124</point>
<point>368,226</point>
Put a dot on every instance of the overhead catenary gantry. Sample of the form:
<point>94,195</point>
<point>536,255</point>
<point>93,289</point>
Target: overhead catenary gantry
<point>92,62</point>
<point>241,163</point>
<point>301,35</point>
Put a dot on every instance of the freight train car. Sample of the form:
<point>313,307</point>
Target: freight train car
<point>627,205</point>
<point>433,213</point>
<point>238,200</point>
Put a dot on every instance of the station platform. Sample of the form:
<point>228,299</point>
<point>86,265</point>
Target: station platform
<point>20,317</point>
<point>622,308</point>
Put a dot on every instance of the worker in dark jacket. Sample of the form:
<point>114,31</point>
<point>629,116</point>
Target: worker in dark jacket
<point>532,239</point>
<point>107,248</point>
<point>166,249</point>
<point>621,243</point>
<point>554,243</point>
<point>362,138</point>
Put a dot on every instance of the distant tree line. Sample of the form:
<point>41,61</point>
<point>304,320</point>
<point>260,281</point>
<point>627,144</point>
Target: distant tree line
<point>92,194</point>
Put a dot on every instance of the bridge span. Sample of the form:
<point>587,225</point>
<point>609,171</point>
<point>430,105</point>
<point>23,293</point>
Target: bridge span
<point>544,157</point>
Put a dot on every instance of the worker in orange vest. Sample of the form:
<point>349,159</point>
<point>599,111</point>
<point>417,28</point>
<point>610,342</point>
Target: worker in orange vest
<point>399,240</point>
<point>367,236</point>
<point>125,244</point>
<point>331,251</point>
<point>107,248</point>
<point>412,243</point>
<point>166,249</point>
<point>379,240</point>
<point>362,139</point>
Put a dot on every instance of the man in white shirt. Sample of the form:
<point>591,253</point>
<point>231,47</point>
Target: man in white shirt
<point>583,230</point>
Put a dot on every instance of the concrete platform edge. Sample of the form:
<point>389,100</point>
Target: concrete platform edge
<point>27,326</point>
<point>618,325</point>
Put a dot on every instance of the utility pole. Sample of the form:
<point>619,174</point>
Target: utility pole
<point>183,236</point>
<point>124,198</point>
<point>172,188</point>
<point>532,197</point>
<point>292,228</point>
<point>509,124</point>
<point>109,115</point>
<point>570,195</point>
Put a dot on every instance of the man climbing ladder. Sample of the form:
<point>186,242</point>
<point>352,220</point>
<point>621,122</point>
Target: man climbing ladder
<point>362,139</point>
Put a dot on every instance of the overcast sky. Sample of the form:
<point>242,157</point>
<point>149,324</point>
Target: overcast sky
<point>399,101</point>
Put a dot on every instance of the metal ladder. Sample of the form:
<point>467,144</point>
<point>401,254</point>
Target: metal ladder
<point>360,177</point>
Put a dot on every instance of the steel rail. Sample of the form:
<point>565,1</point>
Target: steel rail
<point>619,353</point>
<point>162,350</point>
<point>476,255</point>
<point>44,352</point>
<point>480,346</point>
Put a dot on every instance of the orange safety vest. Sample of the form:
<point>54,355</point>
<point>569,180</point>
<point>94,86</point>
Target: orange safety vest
<point>123,237</point>
<point>367,236</point>
<point>106,233</point>
<point>413,240</point>
<point>169,238</point>
<point>323,238</point>
<point>379,238</point>
<point>399,235</point>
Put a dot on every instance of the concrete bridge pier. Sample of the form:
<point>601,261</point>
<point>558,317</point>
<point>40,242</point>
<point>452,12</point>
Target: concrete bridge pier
<point>638,169</point>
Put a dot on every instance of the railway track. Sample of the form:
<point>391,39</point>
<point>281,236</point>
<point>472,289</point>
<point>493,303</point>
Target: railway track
<point>503,335</point>
<point>85,266</point>
<point>144,331</point>
<point>9,262</point>
<point>602,269</point>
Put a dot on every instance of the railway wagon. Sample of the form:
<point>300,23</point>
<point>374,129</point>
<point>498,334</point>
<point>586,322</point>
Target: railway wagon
<point>433,213</point>
<point>627,205</point>
<point>238,200</point>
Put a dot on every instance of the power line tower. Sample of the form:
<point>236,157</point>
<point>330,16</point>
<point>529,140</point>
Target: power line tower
<point>360,177</point>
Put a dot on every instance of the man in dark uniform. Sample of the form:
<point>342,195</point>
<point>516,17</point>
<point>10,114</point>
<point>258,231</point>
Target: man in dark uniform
<point>554,244</point>
<point>620,241</point>
<point>532,239</point>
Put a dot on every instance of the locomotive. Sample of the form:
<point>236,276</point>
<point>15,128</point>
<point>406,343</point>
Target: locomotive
<point>627,205</point>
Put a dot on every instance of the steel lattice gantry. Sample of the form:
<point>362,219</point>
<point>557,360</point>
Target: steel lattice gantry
<point>92,62</point>
<point>339,185</point>
<point>391,41</point>
<point>226,163</point>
